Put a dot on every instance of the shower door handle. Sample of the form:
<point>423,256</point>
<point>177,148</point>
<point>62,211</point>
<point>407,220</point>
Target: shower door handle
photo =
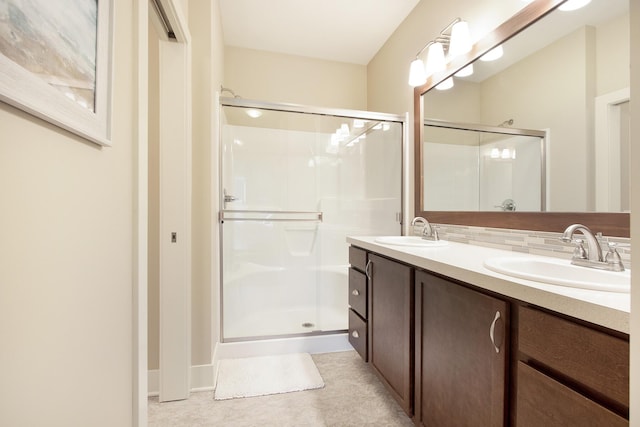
<point>228,197</point>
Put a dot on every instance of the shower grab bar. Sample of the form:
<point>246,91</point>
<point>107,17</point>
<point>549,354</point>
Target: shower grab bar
<point>228,215</point>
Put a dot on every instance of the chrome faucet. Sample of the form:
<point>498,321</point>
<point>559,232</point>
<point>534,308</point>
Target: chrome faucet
<point>592,256</point>
<point>428,232</point>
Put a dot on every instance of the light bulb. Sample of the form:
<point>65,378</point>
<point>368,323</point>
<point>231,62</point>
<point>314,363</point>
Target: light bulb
<point>465,72</point>
<point>573,5</point>
<point>460,39</point>
<point>446,84</point>
<point>435,59</point>
<point>417,74</point>
<point>493,54</point>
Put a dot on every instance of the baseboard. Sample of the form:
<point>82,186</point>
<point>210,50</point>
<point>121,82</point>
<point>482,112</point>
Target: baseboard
<point>202,379</point>
<point>203,376</point>
<point>315,344</point>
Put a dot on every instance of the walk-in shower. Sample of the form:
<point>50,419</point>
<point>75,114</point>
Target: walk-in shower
<point>472,167</point>
<point>295,181</point>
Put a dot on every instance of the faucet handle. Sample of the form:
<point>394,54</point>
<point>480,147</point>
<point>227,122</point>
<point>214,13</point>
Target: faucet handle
<point>613,257</point>
<point>579,252</point>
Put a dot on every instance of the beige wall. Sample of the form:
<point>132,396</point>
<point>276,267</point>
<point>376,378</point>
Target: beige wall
<point>612,59</point>
<point>553,98</point>
<point>274,77</point>
<point>207,73</point>
<point>66,264</point>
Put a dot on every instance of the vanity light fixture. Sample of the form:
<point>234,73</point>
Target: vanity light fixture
<point>453,40</point>
<point>417,74</point>
<point>465,72</point>
<point>493,54</point>
<point>573,5</point>
<point>435,59</point>
<point>460,42</point>
<point>445,84</point>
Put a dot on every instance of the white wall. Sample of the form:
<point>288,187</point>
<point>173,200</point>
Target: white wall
<point>66,264</point>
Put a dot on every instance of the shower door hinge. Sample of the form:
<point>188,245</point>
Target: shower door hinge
<point>399,217</point>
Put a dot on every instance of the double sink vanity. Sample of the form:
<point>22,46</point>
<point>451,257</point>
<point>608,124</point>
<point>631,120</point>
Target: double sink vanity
<point>466,335</point>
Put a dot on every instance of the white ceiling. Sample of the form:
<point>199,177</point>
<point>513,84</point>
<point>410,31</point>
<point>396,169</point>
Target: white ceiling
<point>339,30</point>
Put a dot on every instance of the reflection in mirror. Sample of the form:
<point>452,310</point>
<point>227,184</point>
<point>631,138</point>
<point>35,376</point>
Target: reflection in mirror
<point>550,78</point>
<point>472,167</point>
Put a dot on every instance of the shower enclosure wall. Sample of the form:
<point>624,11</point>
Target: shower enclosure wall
<point>295,181</point>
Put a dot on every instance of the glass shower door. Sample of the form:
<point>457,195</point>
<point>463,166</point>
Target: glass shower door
<point>292,193</point>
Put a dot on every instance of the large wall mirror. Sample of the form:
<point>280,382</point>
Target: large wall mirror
<point>539,138</point>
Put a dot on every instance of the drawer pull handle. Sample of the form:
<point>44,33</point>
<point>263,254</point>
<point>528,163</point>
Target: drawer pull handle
<point>355,334</point>
<point>367,269</point>
<point>355,292</point>
<point>492,332</point>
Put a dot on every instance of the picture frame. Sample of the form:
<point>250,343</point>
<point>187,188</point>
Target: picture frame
<point>52,74</point>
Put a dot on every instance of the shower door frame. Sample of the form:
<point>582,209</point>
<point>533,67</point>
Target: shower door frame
<point>302,109</point>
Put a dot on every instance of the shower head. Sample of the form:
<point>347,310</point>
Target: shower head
<point>506,123</point>
<point>225,89</point>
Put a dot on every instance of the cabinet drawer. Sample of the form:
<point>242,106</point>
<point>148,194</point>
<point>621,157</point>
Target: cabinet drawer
<point>590,357</point>
<point>357,258</point>
<point>358,334</point>
<point>358,292</point>
<point>542,401</point>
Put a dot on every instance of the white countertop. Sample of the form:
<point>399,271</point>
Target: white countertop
<point>465,263</point>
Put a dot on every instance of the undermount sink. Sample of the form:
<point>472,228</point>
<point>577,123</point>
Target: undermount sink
<point>414,241</point>
<point>561,272</point>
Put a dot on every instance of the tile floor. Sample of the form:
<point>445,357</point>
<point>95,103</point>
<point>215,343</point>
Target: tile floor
<point>352,396</point>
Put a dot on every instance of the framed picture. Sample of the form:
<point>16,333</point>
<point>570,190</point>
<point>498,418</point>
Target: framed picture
<point>55,63</point>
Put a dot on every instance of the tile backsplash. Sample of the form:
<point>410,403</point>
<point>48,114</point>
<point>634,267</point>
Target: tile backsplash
<point>526,241</point>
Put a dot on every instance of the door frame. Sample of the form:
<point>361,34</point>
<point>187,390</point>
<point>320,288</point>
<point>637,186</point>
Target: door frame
<point>179,337</point>
<point>607,149</point>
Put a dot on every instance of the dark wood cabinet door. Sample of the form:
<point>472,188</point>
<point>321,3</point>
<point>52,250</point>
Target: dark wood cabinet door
<point>542,401</point>
<point>391,327</point>
<point>461,355</point>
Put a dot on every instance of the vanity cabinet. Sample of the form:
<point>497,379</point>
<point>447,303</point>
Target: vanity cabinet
<point>381,320</point>
<point>391,326</point>
<point>453,354</point>
<point>569,374</point>
<point>358,301</point>
<point>461,355</point>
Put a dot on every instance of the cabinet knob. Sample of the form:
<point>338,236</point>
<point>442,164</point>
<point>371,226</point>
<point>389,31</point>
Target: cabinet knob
<point>355,334</point>
<point>355,292</point>
<point>492,331</point>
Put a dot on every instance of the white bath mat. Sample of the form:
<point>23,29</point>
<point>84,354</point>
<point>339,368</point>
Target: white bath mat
<point>258,376</point>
